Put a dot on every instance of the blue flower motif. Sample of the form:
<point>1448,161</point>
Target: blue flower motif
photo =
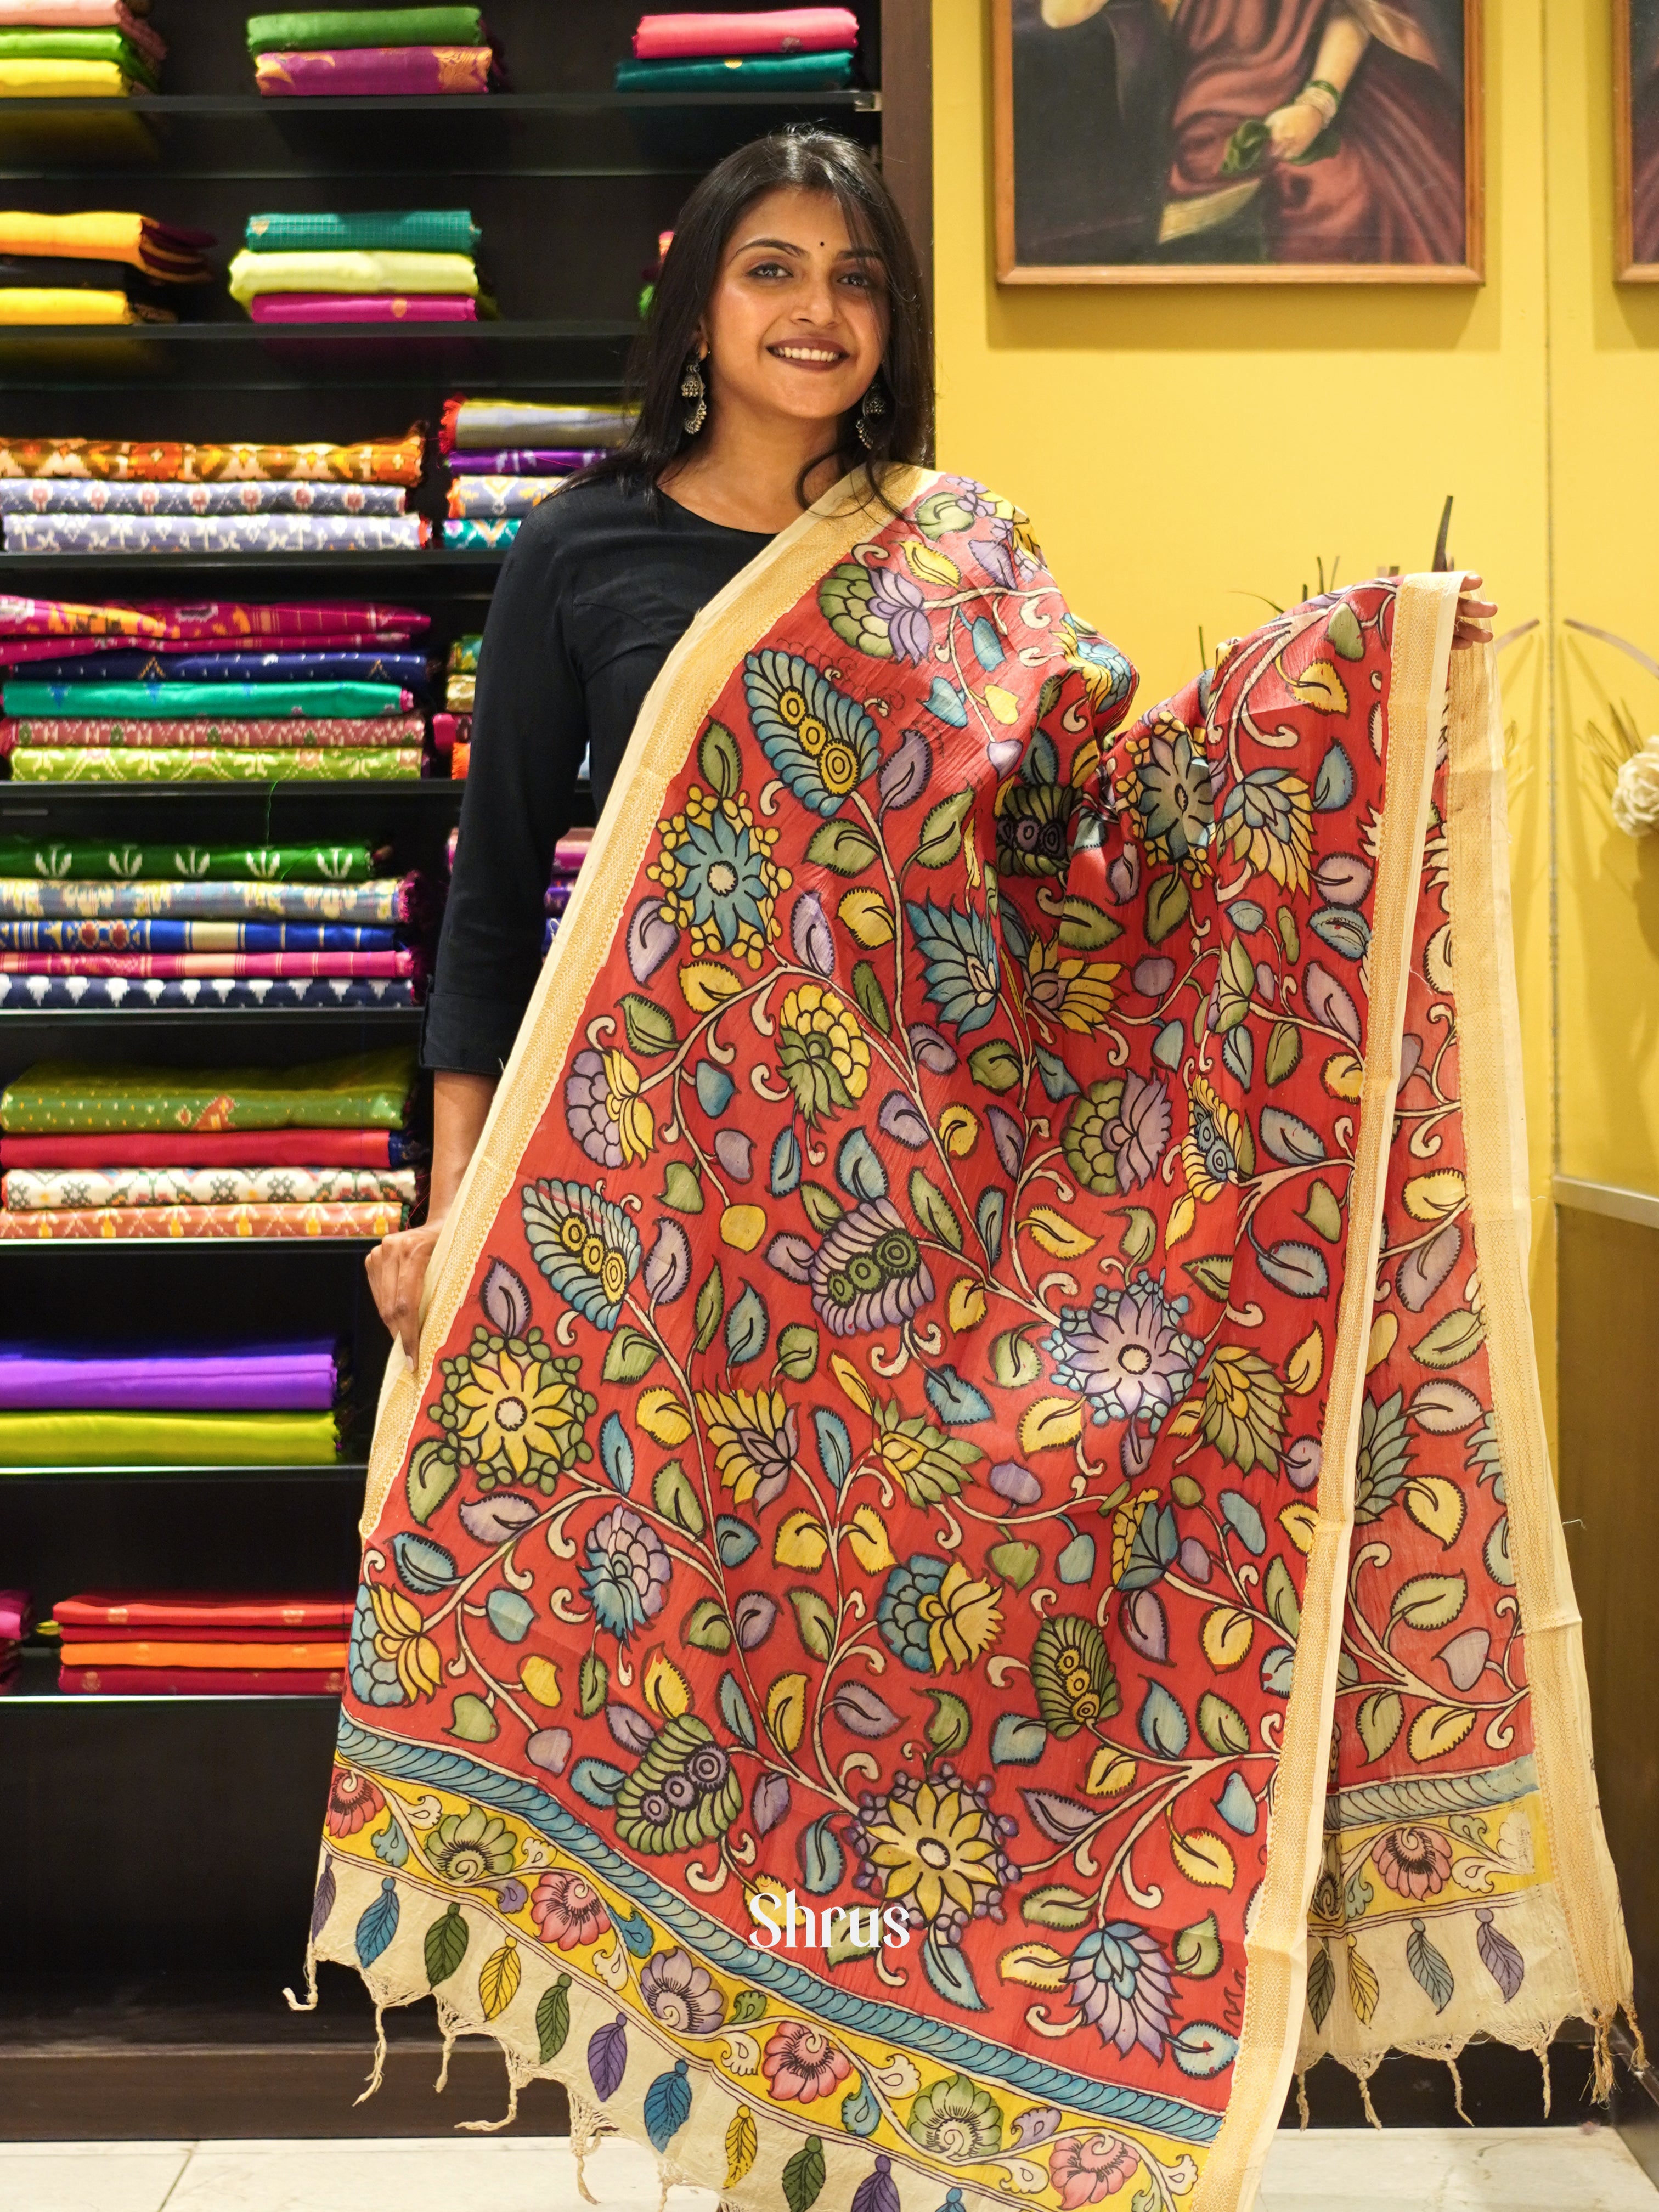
<point>899,1615</point>
<point>627,1573</point>
<point>959,954</point>
<point>373,1678</point>
<point>822,743</point>
<point>587,1248</point>
<point>1121,1984</point>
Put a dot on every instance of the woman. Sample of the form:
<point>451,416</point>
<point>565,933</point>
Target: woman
<point>856,1624</point>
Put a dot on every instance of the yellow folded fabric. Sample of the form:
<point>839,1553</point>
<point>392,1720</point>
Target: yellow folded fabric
<point>25,305</point>
<point>252,273</point>
<point>34,77</point>
<point>102,235</point>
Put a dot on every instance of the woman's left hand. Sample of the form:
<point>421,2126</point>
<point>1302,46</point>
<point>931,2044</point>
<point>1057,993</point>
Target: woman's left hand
<point>1473,615</point>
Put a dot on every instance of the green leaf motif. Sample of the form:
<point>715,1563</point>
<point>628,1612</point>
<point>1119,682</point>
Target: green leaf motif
<point>1430,1601</point>
<point>1235,987</point>
<point>1453,1339</point>
<point>872,999</point>
<point>553,2020</point>
<point>1084,927</point>
<point>1057,1906</point>
<point>1197,1950</point>
<point>719,761</point>
<point>1279,1594</point>
<point>433,1474</point>
<point>1378,1721</point>
<point>649,1029</point>
<point>814,1623</point>
<point>822,1207</point>
<point>842,847</point>
<point>707,1628</point>
<point>446,1940</point>
<point>1013,1362</point>
<point>941,833</point>
<point>934,1211</point>
<point>711,1304</point>
<point>747,2005</point>
<point>798,1352</point>
<point>629,1357</point>
<point>592,1682</point>
<point>802,2177</point>
<point>995,1066</point>
<point>1167,905</point>
<point>680,1188</point>
<point>952,1724</point>
<point>1284,1053</point>
<point>1429,1969</point>
<point>672,1495</point>
<point>1222,1726</point>
<point>1322,1983</point>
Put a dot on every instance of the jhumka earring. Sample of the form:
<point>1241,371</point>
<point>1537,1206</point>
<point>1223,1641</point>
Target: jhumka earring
<point>874,405</point>
<point>693,389</point>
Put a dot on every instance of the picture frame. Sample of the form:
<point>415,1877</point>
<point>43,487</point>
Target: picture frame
<point>1635,140</point>
<point>1189,186</point>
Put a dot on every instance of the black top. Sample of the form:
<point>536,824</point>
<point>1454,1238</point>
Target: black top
<point>596,591</point>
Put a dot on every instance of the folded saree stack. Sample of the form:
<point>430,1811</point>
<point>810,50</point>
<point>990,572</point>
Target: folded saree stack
<point>200,1644</point>
<point>122,495</point>
<point>320,1150</point>
<point>98,267</point>
<point>451,730</point>
<point>772,50</point>
<point>568,855</point>
<point>263,1405</point>
<point>412,265</point>
<point>506,455</point>
<point>16,1618</point>
<point>234,693</point>
<point>370,52</point>
<point>78,49</point>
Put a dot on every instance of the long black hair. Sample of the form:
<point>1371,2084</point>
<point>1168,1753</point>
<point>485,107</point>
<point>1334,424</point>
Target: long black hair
<point>811,161</point>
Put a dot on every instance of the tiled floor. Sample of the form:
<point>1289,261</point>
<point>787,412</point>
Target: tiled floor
<point>1400,2170</point>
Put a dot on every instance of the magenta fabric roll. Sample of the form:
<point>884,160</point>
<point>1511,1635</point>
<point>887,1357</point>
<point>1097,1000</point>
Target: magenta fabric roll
<point>534,461</point>
<point>168,964</point>
<point>367,72</point>
<point>772,31</point>
<point>16,1616</point>
<point>362,307</point>
<point>269,1379</point>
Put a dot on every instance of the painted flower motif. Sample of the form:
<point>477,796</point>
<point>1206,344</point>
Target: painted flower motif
<point>959,962</point>
<point>821,743</point>
<point>392,1660</point>
<point>1116,1132</point>
<point>801,2064</point>
<point>681,1994</point>
<point>1414,1861</point>
<point>516,1414</point>
<point>754,1438</point>
<point>466,1847</point>
<point>869,1272</point>
<point>587,1247</point>
<point>1267,820</point>
<point>1172,795</point>
<point>607,1116</point>
<point>1033,829</point>
<point>932,1615</point>
<point>1077,993</point>
<point>928,1463</point>
<point>568,1910</point>
<point>934,1846</point>
<point>718,880</point>
<point>353,1802</point>
<point>899,601</point>
<point>1085,2169</point>
<point>1108,679</point>
<point>1218,1148</point>
<point>1126,1353</point>
<point>1243,1414</point>
<point>822,1051</point>
<point>957,2119</point>
<point>681,1793</point>
<point>1384,1456</point>
<point>847,601</point>
<point>626,1572</point>
<point>1121,1984</point>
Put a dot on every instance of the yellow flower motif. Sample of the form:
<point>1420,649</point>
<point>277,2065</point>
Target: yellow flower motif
<point>934,1849</point>
<point>823,1051</point>
<point>1126,1526</point>
<point>514,1406</point>
<point>1077,993</point>
<point>718,879</point>
<point>963,1617</point>
<point>1267,821</point>
<point>634,1126</point>
<point>1218,1148</point>
<point>415,1657</point>
<point>754,1440</point>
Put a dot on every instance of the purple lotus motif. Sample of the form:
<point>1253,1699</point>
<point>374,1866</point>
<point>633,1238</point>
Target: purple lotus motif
<point>626,1571</point>
<point>869,1272</point>
<point>902,605</point>
<point>1126,1353</point>
<point>1120,1984</point>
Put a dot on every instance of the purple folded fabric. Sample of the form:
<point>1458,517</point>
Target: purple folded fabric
<point>368,71</point>
<point>536,461</point>
<point>362,307</point>
<point>297,1378</point>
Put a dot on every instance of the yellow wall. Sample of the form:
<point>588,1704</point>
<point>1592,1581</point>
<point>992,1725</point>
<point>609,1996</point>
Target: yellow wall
<point>1187,452</point>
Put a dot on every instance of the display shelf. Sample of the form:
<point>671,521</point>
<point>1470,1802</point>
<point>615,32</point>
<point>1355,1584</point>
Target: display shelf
<point>37,1685</point>
<point>80,1021</point>
<point>452,106</point>
<point>430,562</point>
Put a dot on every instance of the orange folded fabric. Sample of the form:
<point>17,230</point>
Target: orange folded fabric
<point>280,1655</point>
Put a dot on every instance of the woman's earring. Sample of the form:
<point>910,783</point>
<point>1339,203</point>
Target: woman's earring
<point>874,405</point>
<point>693,389</point>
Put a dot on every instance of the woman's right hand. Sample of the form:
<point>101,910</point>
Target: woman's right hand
<point>396,1271</point>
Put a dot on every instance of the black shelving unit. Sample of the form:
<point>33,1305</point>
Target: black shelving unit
<point>160,1851</point>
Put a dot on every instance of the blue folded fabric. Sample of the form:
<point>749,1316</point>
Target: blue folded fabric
<point>119,936</point>
<point>410,671</point>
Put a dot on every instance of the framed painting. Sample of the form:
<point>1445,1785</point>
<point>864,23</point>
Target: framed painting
<point>1181,142</point>
<point>1636,138</point>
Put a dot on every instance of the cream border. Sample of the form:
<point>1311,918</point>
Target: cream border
<point>1495,1160</point>
<point>691,679</point>
<point>1276,1949</point>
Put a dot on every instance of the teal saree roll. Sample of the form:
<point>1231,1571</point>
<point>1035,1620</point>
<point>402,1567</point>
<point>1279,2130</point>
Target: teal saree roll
<point>414,230</point>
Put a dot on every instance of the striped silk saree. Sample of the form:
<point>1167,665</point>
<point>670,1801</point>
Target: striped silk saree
<point>968,1576</point>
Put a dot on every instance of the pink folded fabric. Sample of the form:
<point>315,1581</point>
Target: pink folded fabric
<point>774,31</point>
<point>168,964</point>
<point>82,15</point>
<point>360,308</point>
<point>450,730</point>
<point>16,1616</point>
<point>365,71</point>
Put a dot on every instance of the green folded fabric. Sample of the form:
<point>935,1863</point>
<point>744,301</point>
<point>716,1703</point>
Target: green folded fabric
<point>46,860</point>
<point>409,230</point>
<point>95,1440</point>
<point>79,46</point>
<point>317,29</point>
<point>228,702</point>
<point>251,274</point>
<point>364,1089</point>
<point>745,73</point>
<point>212,763</point>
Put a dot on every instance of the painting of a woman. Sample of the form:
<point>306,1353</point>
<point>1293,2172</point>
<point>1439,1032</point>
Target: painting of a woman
<point>1638,105</point>
<point>1152,138</point>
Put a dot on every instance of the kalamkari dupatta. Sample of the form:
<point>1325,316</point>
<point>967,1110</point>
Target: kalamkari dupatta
<point>978,1392</point>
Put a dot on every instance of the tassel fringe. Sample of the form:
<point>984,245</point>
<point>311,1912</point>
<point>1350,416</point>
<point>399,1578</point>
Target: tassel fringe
<point>1457,2091</point>
<point>308,2003</point>
<point>378,2074</point>
<point>1301,2098</point>
<point>1366,2097</point>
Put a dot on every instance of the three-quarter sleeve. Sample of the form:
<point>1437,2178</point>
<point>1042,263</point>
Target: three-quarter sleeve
<point>530,731</point>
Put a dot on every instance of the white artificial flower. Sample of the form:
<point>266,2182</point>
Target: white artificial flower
<point>1635,794</point>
